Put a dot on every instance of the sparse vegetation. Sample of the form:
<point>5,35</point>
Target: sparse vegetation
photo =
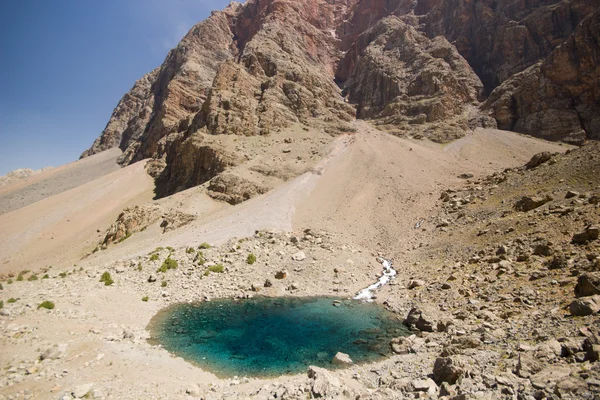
<point>200,258</point>
<point>154,257</point>
<point>127,236</point>
<point>106,278</point>
<point>251,259</point>
<point>204,246</point>
<point>145,299</point>
<point>1,287</point>
<point>63,274</point>
<point>139,266</point>
<point>216,268</point>
<point>32,278</point>
<point>10,281</point>
<point>11,300</point>
<point>20,277</point>
<point>46,276</point>
<point>170,249</point>
<point>190,250</point>
<point>168,264</point>
<point>48,305</point>
<point>157,250</point>
<point>1,303</point>
<point>163,284</point>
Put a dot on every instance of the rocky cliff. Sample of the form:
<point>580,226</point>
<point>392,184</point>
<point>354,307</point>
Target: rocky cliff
<point>413,67</point>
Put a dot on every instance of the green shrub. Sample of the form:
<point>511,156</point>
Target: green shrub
<point>204,246</point>
<point>63,274</point>
<point>251,259</point>
<point>32,278</point>
<point>145,298</point>
<point>216,268</point>
<point>48,305</point>
<point>20,277</point>
<point>171,250</point>
<point>46,276</point>
<point>139,267</point>
<point>106,278</point>
<point>11,300</point>
<point>154,257</point>
<point>156,250</point>
<point>10,281</point>
<point>200,258</point>
<point>190,250</point>
<point>168,264</point>
<point>163,284</point>
<point>1,287</point>
<point>1,304</point>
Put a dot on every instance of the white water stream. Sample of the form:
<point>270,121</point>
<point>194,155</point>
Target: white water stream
<point>388,274</point>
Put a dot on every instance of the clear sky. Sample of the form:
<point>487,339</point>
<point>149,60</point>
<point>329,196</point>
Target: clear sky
<point>65,64</point>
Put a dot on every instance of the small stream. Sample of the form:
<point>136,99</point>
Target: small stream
<point>388,274</point>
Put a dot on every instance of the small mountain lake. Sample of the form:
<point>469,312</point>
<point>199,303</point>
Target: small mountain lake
<point>265,336</point>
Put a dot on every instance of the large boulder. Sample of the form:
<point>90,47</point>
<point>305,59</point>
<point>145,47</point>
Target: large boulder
<point>588,284</point>
<point>585,306</point>
<point>528,203</point>
<point>447,369</point>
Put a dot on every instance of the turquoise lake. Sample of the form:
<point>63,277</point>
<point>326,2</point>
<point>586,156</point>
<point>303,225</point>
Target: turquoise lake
<point>266,336</point>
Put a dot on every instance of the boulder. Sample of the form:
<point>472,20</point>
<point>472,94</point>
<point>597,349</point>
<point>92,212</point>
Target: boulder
<point>447,369</point>
<point>588,284</point>
<point>528,203</point>
<point>415,283</point>
<point>299,256</point>
<point>589,233</point>
<point>323,384</point>
<point>538,159</point>
<point>421,318</point>
<point>81,391</point>
<point>585,306</point>
<point>281,274</point>
<point>341,359</point>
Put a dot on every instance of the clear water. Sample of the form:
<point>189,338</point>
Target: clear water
<point>274,336</point>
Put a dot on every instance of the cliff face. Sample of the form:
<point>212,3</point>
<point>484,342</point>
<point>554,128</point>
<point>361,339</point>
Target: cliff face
<point>411,66</point>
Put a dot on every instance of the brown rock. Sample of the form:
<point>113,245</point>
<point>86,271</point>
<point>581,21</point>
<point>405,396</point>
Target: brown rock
<point>528,203</point>
<point>446,369</point>
<point>590,233</point>
<point>588,284</point>
<point>585,306</point>
<point>538,159</point>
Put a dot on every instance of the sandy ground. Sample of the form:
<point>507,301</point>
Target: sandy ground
<point>57,180</point>
<point>59,229</point>
<point>377,192</point>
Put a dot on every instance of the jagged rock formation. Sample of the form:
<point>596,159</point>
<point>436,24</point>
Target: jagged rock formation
<point>412,66</point>
<point>559,98</point>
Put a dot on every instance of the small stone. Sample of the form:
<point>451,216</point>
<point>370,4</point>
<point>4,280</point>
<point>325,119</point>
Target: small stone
<point>151,279</point>
<point>299,256</point>
<point>281,274</point>
<point>193,390</point>
<point>570,194</point>
<point>268,283</point>
<point>341,359</point>
<point>82,390</point>
<point>415,283</point>
<point>424,385</point>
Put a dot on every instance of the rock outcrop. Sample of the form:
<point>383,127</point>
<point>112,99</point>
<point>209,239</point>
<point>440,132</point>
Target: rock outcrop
<point>414,67</point>
<point>558,98</point>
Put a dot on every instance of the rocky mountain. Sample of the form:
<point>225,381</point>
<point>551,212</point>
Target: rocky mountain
<point>426,68</point>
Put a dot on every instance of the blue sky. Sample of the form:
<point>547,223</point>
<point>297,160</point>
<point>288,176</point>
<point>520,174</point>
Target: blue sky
<point>65,64</point>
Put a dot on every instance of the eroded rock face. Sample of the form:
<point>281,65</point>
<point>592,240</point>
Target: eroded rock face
<point>412,66</point>
<point>398,76</point>
<point>557,99</point>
